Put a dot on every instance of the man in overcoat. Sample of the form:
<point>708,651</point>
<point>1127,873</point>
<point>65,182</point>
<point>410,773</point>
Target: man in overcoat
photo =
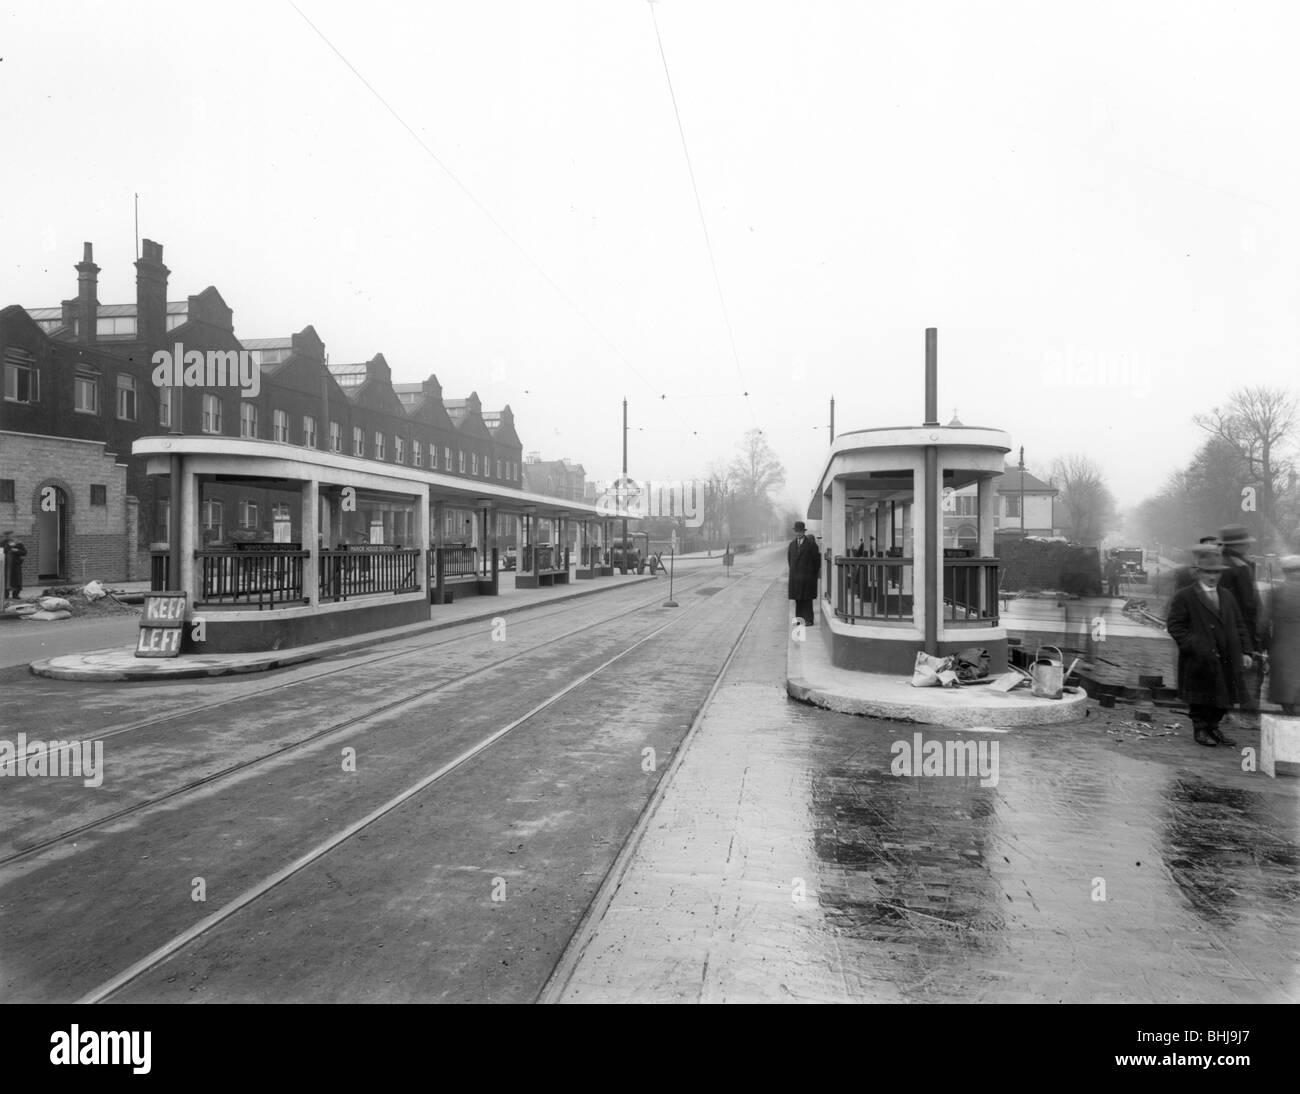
<point>1212,648</point>
<point>805,562</point>
<point>1279,634</point>
<point>1239,579</point>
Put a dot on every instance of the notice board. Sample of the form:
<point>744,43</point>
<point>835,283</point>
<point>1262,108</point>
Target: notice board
<point>161,625</point>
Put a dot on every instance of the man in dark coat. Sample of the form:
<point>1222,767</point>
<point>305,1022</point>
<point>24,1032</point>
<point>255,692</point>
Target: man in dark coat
<point>1279,634</point>
<point>1212,642</point>
<point>1239,579</point>
<point>14,553</point>
<point>805,562</point>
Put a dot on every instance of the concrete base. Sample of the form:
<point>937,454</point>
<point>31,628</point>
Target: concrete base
<point>1279,744</point>
<point>286,628</point>
<point>876,647</point>
<point>812,678</point>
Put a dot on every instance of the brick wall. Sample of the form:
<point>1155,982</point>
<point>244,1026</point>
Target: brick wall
<point>97,539</point>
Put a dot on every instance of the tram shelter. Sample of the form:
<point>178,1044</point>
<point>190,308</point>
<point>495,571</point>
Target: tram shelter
<point>277,546</point>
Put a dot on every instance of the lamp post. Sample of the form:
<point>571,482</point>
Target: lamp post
<point>623,489</point>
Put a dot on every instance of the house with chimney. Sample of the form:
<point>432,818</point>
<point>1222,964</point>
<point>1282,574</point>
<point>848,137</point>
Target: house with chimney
<point>79,390</point>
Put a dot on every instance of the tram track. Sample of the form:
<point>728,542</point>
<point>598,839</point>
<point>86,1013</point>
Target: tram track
<point>343,663</point>
<point>194,785</point>
<point>180,941</point>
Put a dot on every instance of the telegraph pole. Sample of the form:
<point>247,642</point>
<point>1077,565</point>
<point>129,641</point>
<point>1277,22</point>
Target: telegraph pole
<point>1022,491</point>
<point>624,490</point>
<point>832,419</point>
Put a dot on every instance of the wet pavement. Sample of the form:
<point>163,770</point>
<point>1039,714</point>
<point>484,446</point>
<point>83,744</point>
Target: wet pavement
<point>1102,861</point>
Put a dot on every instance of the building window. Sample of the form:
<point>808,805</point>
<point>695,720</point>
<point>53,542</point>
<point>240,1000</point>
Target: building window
<point>309,431</point>
<point>98,494</point>
<point>248,515</point>
<point>280,425</point>
<point>118,324</point>
<point>433,457</point>
<point>212,521</point>
<point>211,414</point>
<point>498,469</point>
<point>1013,505</point>
<point>379,445</point>
<point>446,458</point>
<point>247,419</point>
<point>336,437</point>
<point>417,453</point>
<point>125,397</point>
<point>7,489</point>
<point>86,392</point>
<point>460,461</point>
<point>399,449</point>
<point>165,406</point>
<point>174,321</point>
<point>358,441</point>
<point>22,380</point>
<point>473,462</point>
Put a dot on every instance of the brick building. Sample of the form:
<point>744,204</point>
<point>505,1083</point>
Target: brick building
<point>86,371</point>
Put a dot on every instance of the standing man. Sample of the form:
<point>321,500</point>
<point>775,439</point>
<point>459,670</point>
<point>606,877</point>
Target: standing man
<point>1212,643</point>
<point>1239,579</point>
<point>14,553</point>
<point>1113,569</point>
<point>1279,634</point>
<point>805,564</point>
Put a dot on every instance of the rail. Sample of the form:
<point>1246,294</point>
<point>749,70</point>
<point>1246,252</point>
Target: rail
<point>970,590</point>
<point>880,589</point>
<point>368,571</point>
<point>264,578</point>
<point>459,561</point>
<point>873,588</point>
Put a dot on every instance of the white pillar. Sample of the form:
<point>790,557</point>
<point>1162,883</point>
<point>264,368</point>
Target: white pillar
<point>187,512</point>
<point>838,529</point>
<point>310,542</point>
<point>423,536</point>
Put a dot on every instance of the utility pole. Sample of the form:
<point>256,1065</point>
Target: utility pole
<point>1022,491</point>
<point>625,497</point>
<point>832,419</point>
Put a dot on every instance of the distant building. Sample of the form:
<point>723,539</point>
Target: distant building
<point>960,519</point>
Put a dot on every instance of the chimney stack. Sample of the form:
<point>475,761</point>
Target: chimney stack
<point>87,298</point>
<point>151,294</point>
<point>931,376</point>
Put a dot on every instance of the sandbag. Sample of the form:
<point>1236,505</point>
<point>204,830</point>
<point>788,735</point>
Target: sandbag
<point>925,673</point>
<point>49,617</point>
<point>54,604</point>
<point>94,590</point>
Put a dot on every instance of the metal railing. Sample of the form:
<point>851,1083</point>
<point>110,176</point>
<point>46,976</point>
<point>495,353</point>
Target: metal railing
<point>873,588</point>
<point>970,590</point>
<point>459,561</point>
<point>264,578</point>
<point>159,570</point>
<point>368,571</point>
<point>881,589</point>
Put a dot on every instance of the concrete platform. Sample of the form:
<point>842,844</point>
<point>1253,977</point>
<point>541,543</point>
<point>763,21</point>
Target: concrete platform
<point>120,663</point>
<point>811,678</point>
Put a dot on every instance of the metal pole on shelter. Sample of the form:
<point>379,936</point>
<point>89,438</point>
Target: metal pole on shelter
<point>623,568</point>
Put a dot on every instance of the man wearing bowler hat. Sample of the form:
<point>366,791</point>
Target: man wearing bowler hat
<point>805,569</point>
<point>1212,642</point>
<point>1239,579</point>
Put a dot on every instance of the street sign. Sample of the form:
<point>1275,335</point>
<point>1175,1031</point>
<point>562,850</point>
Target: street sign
<point>161,625</point>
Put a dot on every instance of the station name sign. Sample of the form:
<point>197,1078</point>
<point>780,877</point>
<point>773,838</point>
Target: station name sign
<point>161,625</point>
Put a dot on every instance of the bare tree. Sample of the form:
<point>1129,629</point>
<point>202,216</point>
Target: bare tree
<point>718,490</point>
<point>756,472</point>
<point>1257,422</point>
<point>1088,508</point>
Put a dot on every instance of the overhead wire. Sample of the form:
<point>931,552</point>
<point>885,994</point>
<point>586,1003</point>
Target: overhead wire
<point>532,262</point>
<point>699,207</point>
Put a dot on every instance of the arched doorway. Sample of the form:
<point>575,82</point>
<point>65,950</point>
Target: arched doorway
<point>51,532</point>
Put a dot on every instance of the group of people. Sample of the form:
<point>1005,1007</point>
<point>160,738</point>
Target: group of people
<point>1225,630</point>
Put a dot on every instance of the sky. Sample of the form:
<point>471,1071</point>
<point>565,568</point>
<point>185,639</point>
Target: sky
<point>1094,204</point>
